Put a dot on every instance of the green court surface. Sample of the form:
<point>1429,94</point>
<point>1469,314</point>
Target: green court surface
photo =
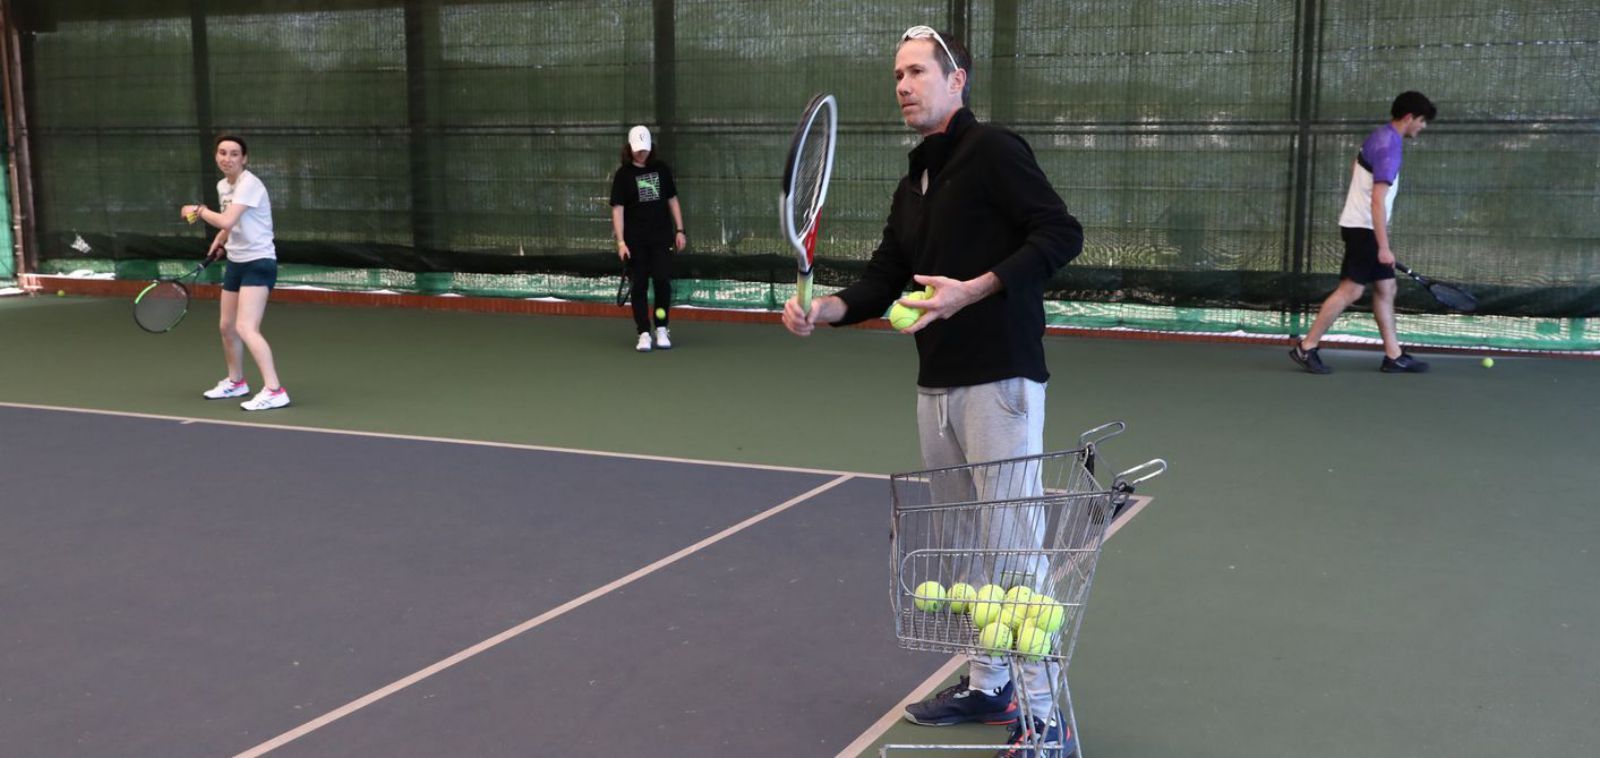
<point>1353,564</point>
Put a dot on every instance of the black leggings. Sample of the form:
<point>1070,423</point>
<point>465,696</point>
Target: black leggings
<point>651,263</point>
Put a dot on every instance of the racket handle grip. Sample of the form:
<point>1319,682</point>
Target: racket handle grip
<point>802,292</point>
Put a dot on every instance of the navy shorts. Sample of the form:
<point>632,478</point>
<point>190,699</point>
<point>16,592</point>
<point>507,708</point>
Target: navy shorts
<point>1361,257</point>
<point>262,272</point>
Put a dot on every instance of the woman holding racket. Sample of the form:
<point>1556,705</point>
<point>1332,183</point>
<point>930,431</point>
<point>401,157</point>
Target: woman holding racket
<point>245,237</point>
<point>647,223</point>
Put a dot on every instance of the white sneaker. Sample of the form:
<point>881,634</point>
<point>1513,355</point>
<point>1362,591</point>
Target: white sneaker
<point>266,400</point>
<point>226,389</point>
<point>663,338</point>
<point>644,342</point>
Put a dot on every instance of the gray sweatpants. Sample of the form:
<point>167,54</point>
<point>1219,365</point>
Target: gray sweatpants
<point>988,422</point>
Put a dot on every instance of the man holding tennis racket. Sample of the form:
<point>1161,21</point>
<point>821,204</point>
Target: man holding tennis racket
<point>976,219</point>
<point>1364,226</point>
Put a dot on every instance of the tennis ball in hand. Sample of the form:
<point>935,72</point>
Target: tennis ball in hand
<point>191,216</point>
<point>1488,363</point>
<point>901,317</point>
<point>961,597</point>
<point>1032,641</point>
<point>661,313</point>
<point>930,597</point>
<point>996,638</point>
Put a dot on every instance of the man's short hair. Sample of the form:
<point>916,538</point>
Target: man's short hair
<point>958,51</point>
<point>1413,103</point>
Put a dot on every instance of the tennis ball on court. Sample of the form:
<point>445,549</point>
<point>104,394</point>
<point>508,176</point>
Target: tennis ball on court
<point>996,638</point>
<point>1032,641</point>
<point>63,293</point>
<point>986,609</point>
<point>1488,363</point>
<point>930,597</point>
<point>961,597</point>
<point>1050,617</point>
<point>661,313</point>
<point>901,317</point>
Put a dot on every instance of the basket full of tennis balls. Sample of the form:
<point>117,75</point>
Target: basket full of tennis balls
<point>1008,621</point>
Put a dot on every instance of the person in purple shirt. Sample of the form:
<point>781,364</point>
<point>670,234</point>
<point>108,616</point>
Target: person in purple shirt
<point>1364,225</point>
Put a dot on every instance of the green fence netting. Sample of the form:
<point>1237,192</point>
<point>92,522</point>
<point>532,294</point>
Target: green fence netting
<point>456,146</point>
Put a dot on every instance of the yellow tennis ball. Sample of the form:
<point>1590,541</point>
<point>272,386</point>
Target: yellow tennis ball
<point>1050,617</point>
<point>1488,363</point>
<point>1012,616</point>
<point>986,609</point>
<point>961,597</point>
<point>191,217</point>
<point>1016,597</point>
<point>1037,603</point>
<point>661,313</point>
<point>995,638</point>
<point>930,597</point>
<point>901,317</point>
<point>61,293</point>
<point>1032,641</point>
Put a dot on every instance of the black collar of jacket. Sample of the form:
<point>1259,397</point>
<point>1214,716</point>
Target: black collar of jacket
<point>936,149</point>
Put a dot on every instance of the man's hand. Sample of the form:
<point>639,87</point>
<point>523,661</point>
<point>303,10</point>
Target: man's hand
<point>824,310</point>
<point>949,297</point>
<point>1385,256</point>
<point>622,251</point>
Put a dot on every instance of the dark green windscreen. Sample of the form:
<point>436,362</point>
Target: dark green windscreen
<point>467,146</point>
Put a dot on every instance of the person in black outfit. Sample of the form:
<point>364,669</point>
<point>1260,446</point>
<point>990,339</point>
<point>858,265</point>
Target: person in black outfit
<point>976,219</point>
<point>647,222</point>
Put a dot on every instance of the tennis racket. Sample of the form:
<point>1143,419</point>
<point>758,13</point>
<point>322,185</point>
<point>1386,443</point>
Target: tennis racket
<point>625,284</point>
<point>160,306</point>
<point>1450,296</point>
<point>805,186</point>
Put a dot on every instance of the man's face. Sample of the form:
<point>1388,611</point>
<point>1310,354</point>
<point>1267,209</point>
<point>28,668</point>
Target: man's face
<point>1412,125</point>
<point>927,97</point>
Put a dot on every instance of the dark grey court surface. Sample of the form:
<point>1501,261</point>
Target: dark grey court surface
<point>192,589</point>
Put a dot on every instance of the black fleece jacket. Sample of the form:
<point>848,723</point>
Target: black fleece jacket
<point>988,207</point>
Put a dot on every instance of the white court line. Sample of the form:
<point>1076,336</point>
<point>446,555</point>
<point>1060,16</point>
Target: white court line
<point>448,440</point>
<point>396,686</point>
<point>881,726</point>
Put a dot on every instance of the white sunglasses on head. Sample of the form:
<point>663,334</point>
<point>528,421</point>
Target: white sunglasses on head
<point>926,32</point>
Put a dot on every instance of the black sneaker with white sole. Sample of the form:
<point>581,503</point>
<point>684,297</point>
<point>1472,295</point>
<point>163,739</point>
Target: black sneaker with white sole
<point>1405,364</point>
<point>1309,360</point>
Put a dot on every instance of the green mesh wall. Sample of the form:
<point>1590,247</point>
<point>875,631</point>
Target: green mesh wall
<point>466,147</point>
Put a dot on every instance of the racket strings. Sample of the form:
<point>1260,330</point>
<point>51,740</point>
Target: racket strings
<point>809,173</point>
<point>161,306</point>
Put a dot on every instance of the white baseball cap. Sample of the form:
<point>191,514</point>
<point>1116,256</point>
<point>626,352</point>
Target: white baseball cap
<point>639,138</point>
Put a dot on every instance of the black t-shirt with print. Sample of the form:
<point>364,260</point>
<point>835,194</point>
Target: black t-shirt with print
<point>643,195</point>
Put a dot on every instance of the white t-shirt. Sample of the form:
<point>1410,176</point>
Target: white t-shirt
<point>251,236</point>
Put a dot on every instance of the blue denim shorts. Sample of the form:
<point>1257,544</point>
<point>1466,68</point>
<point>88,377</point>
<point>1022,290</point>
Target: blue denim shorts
<point>262,272</point>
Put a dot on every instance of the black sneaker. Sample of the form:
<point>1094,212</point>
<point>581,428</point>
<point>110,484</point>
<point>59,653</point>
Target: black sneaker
<point>1309,359</point>
<point>1405,364</point>
<point>958,704</point>
<point>1055,733</point>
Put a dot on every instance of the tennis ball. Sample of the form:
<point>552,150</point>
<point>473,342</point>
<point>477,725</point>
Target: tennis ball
<point>1012,617</point>
<point>996,638</point>
<point>1037,603</point>
<point>61,293</point>
<point>930,597</point>
<point>986,609</point>
<point>1488,363</point>
<point>1032,641</point>
<point>1050,617</point>
<point>901,317</point>
<point>1016,597</point>
<point>661,313</point>
<point>962,597</point>
<point>191,217</point>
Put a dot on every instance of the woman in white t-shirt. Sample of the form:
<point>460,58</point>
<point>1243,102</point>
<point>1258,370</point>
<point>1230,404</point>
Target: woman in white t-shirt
<point>245,236</point>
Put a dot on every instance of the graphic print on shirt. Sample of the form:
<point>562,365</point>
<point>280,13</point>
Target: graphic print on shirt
<point>649,186</point>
